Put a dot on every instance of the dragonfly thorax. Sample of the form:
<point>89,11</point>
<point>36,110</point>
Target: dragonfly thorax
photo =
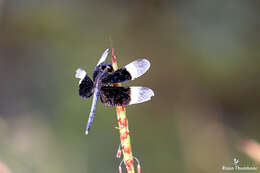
<point>100,72</point>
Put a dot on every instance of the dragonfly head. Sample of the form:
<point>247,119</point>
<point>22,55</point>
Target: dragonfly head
<point>102,70</point>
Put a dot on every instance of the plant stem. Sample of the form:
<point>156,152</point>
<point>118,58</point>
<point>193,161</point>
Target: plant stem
<point>123,128</point>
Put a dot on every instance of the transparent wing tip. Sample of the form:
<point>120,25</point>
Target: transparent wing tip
<point>80,73</point>
<point>140,94</point>
<point>103,57</point>
<point>138,67</point>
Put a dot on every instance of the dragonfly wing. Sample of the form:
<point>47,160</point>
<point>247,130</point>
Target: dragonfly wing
<point>140,95</point>
<point>122,96</point>
<point>103,57</point>
<point>138,67</point>
<point>86,85</point>
<point>129,72</point>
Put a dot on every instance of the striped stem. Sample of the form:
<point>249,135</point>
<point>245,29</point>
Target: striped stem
<point>123,128</point>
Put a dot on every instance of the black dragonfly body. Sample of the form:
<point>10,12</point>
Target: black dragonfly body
<point>102,85</point>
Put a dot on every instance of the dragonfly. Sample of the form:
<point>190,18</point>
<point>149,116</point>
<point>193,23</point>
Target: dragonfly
<point>102,85</point>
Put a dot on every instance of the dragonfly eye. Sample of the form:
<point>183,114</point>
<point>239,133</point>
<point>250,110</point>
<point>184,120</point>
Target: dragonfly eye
<point>110,68</point>
<point>107,67</point>
<point>103,67</point>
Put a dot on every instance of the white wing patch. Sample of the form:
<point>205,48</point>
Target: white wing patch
<point>138,67</point>
<point>103,57</point>
<point>80,73</point>
<point>140,94</point>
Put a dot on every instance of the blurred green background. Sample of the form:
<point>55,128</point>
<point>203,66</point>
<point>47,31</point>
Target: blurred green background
<point>204,71</point>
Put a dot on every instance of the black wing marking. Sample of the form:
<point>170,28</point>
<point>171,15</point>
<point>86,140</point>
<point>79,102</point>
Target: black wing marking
<point>115,96</point>
<point>86,87</point>
<point>122,96</point>
<point>129,72</point>
<point>118,76</point>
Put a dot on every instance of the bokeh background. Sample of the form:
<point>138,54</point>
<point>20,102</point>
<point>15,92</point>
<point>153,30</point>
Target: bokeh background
<point>205,70</point>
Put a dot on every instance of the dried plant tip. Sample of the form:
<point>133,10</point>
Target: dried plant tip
<point>120,169</point>
<point>119,152</point>
<point>138,162</point>
<point>138,168</point>
<point>118,128</point>
<point>121,162</point>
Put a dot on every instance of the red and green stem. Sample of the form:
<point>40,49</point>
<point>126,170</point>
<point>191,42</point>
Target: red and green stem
<point>123,129</point>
